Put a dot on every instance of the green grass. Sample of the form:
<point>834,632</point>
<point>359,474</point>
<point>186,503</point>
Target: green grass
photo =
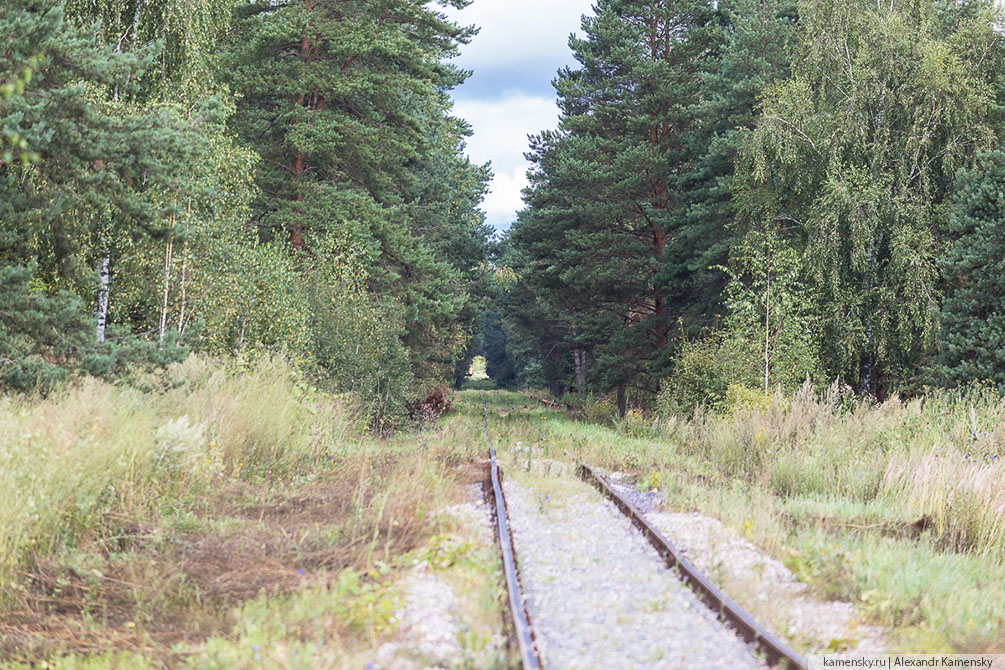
<point>108,494</point>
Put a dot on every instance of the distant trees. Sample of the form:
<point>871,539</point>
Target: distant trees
<point>718,161</point>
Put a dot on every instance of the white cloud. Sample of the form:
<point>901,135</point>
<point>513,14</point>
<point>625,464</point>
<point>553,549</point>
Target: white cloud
<point>501,126</point>
<point>521,46</point>
<point>500,135</point>
<point>504,198</point>
<point>520,30</point>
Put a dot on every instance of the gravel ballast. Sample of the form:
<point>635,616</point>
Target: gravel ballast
<point>599,596</point>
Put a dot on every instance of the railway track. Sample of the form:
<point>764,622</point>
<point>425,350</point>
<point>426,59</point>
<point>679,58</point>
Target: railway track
<point>773,652</point>
<point>522,632</point>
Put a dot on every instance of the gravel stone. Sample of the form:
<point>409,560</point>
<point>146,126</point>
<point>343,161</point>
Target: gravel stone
<point>427,627</point>
<point>818,624</point>
<point>599,596</point>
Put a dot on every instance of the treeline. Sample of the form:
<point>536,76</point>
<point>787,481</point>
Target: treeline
<point>757,192</point>
<point>227,174</point>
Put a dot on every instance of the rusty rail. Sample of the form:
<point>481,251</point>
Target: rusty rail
<point>775,651</point>
<point>523,634</point>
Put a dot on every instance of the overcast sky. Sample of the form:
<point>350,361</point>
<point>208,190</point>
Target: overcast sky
<point>521,45</point>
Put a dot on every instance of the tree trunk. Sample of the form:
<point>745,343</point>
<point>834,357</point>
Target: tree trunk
<point>168,257</point>
<point>167,286</point>
<point>184,268</point>
<point>104,288</point>
<point>767,322</point>
<point>622,399</point>
<point>555,388</point>
<point>579,358</point>
<point>296,231</point>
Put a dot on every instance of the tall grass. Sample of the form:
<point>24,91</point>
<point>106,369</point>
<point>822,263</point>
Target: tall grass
<point>940,458</point>
<point>91,455</point>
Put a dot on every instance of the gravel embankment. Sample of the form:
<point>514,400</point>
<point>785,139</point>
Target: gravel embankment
<point>773,595</point>
<point>599,596</point>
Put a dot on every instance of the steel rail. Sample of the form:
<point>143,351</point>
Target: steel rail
<point>776,652</point>
<point>523,633</point>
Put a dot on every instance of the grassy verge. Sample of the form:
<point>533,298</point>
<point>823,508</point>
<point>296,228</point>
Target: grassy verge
<point>228,516</point>
<point>899,508</point>
<point>232,516</point>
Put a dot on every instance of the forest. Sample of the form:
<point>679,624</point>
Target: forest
<point>760,194</point>
<point>227,177</point>
<point>743,193</point>
<point>255,330</point>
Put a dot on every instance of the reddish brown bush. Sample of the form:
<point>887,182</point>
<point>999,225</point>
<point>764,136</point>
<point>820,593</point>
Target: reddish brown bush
<point>438,401</point>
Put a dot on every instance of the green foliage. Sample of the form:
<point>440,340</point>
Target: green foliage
<point>856,151</point>
<point>973,313</point>
<point>630,203</point>
<point>701,376</point>
<point>45,339</point>
<point>771,329</point>
<point>14,147</point>
<point>370,156</point>
<point>95,161</point>
<point>810,150</point>
<point>355,347</point>
<point>333,217</point>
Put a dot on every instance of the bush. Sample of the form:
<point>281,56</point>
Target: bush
<point>739,397</point>
<point>438,401</point>
<point>603,409</point>
<point>701,377</point>
<point>635,424</point>
<point>356,348</point>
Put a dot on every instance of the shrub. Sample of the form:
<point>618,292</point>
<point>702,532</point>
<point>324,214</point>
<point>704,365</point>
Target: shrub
<point>438,401</point>
<point>356,348</point>
<point>740,397</point>
<point>602,409</point>
<point>701,377</point>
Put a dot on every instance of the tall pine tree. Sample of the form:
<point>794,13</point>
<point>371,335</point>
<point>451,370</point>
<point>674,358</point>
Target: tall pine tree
<point>345,102</point>
<point>612,195</point>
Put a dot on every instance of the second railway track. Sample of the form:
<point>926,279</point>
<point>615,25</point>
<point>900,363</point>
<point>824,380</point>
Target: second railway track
<point>591,584</point>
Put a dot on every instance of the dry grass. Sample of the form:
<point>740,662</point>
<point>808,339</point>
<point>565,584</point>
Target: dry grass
<point>137,522</point>
<point>941,457</point>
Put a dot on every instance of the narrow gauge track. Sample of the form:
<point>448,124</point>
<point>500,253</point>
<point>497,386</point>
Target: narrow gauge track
<point>776,653</point>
